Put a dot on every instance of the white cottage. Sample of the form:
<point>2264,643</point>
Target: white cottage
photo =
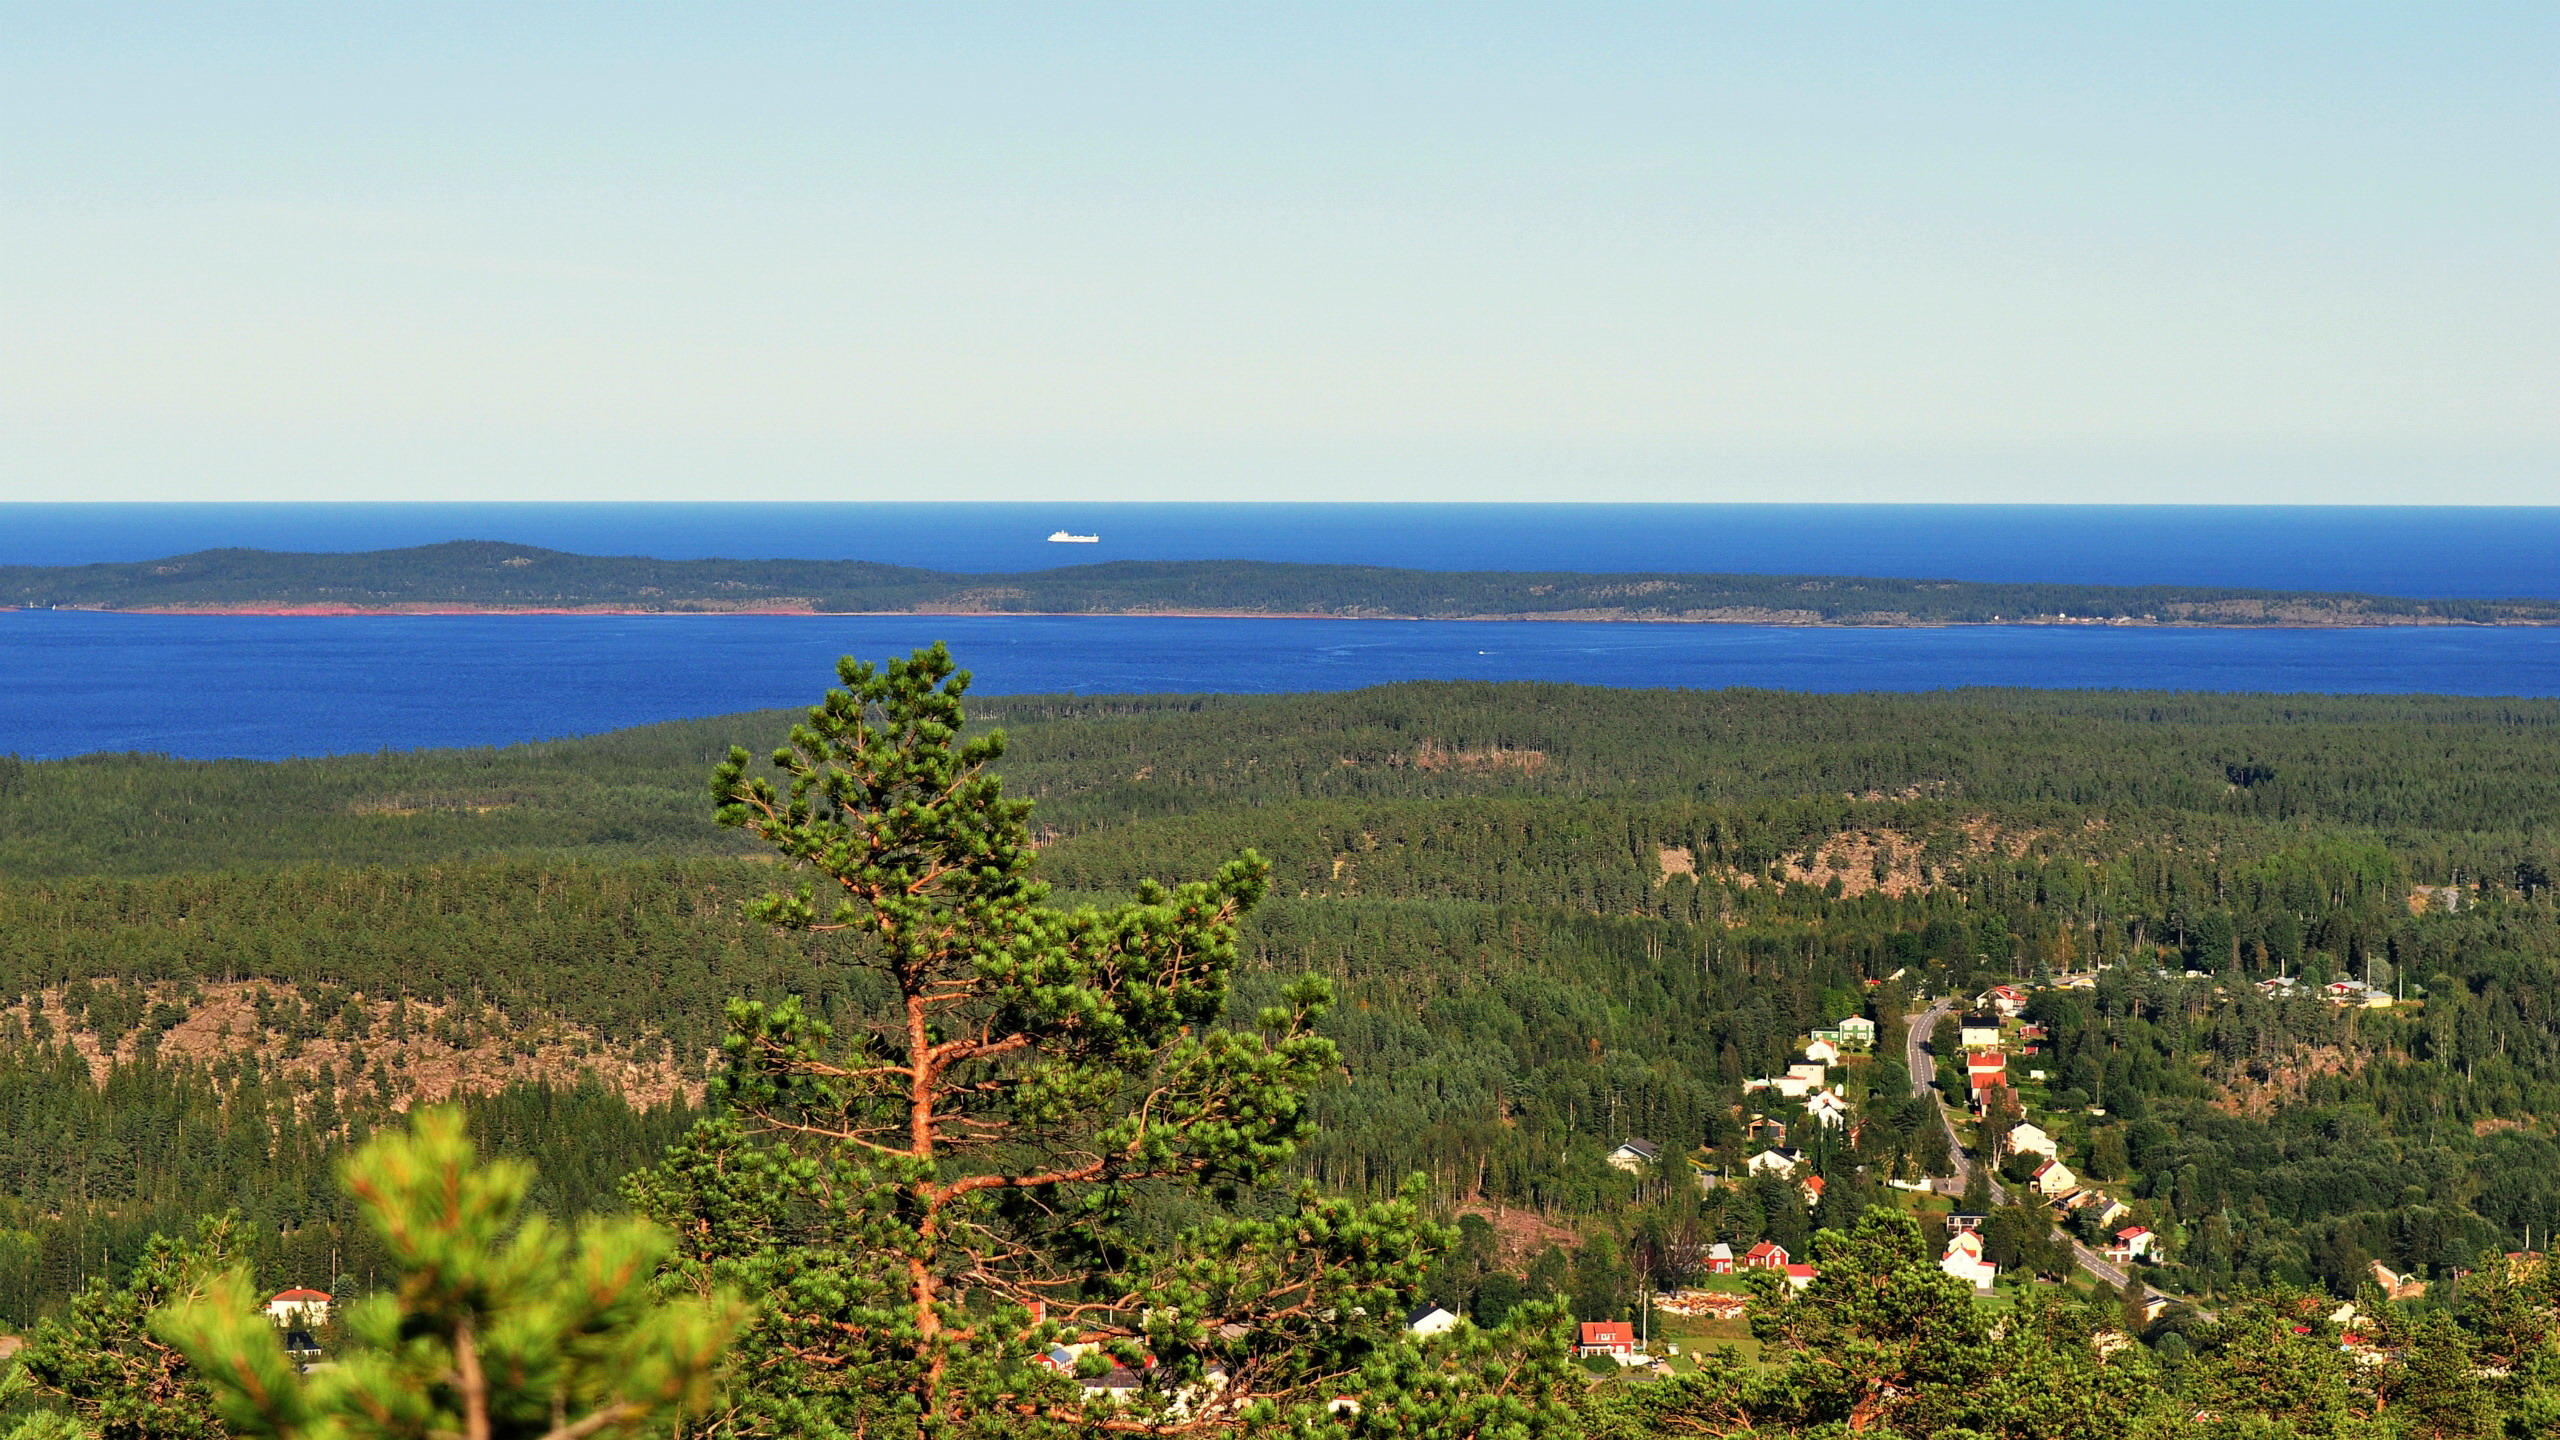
<point>2025,1139</point>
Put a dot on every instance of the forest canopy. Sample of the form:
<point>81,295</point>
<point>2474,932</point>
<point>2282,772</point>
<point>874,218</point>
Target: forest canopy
<point>1552,917</point>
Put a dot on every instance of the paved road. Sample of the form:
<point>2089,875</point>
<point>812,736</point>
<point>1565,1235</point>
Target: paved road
<point>1924,1081</point>
<point>1924,1076</point>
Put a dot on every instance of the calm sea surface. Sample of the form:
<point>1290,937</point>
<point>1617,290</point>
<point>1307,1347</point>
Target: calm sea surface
<point>2412,550</point>
<point>261,686</point>
<point>275,686</point>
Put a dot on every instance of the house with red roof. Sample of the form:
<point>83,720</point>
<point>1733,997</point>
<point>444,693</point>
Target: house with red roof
<point>2008,1000</point>
<point>1613,1338</point>
<point>1800,1276</point>
<point>2133,1242</point>
<point>2054,1178</point>
<point>1767,1255</point>
<point>1964,1259</point>
<point>299,1307</point>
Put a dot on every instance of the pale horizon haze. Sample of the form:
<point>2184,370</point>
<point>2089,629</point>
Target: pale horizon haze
<point>2161,253</point>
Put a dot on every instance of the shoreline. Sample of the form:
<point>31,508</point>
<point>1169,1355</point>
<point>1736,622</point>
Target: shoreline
<point>1784,620</point>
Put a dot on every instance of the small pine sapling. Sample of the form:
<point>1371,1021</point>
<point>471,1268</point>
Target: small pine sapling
<point>499,1329</point>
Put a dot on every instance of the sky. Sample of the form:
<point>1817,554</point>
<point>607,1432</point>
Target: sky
<point>2154,252</point>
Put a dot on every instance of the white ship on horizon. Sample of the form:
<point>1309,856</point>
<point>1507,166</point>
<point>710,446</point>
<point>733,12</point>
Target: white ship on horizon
<point>1061,537</point>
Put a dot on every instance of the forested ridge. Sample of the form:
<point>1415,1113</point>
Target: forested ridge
<point>1555,918</point>
<point>496,575</point>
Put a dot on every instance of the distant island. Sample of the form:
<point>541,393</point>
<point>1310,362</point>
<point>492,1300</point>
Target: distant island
<point>492,577</point>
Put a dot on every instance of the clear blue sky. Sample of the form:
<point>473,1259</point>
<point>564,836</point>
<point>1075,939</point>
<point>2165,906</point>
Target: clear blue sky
<point>1755,252</point>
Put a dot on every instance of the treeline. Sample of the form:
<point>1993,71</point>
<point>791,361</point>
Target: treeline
<point>89,1172</point>
<point>629,950</point>
<point>2455,783</point>
<point>494,574</point>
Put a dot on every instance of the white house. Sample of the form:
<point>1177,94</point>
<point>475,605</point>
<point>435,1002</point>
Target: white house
<point>1980,1032</point>
<point>2009,1000</point>
<point>305,1308</point>
<point>2055,1178</point>
<point>1964,1260</point>
<point>2025,1139</point>
<point>1810,1071</point>
<point>1430,1320</point>
<point>1613,1338</point>
<point>1827,1108</point>
<point>1636,1156</point>
<point>1120,1384</point>
<point>1776,1162</point>
<point>1822,1052</point>
<point>1858,1031</point>
<point>2133,1242</point>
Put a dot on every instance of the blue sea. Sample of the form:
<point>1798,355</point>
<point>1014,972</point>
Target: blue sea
<point>262,686</point>
<point>270,686</point>
<point>2390,550</point>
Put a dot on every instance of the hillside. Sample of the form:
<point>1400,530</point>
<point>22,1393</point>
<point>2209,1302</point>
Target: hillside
<point>493,576</point>
<point>1556,916</point>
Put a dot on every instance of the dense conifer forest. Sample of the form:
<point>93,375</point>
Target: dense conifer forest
<point>1554,919</point>
<point>488,574</point>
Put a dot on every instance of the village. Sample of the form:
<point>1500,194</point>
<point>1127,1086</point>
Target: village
<point>2005,1133</point>
<point>1793,1126</point>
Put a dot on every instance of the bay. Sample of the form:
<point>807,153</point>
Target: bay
<point>2394,550</point>
<point>274,686</point>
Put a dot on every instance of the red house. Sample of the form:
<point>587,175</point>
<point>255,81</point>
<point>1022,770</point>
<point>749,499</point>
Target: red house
<point>1767,1255</point>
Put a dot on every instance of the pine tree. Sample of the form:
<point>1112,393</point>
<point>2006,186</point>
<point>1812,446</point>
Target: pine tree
<point>499,1329</point>
<point>2432,1383</point>
<point>2271,1360</point>
<point>1023,1168</point>
<point>99,1360</point>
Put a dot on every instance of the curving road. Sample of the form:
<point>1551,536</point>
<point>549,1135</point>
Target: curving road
<point>1924,1076</point>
